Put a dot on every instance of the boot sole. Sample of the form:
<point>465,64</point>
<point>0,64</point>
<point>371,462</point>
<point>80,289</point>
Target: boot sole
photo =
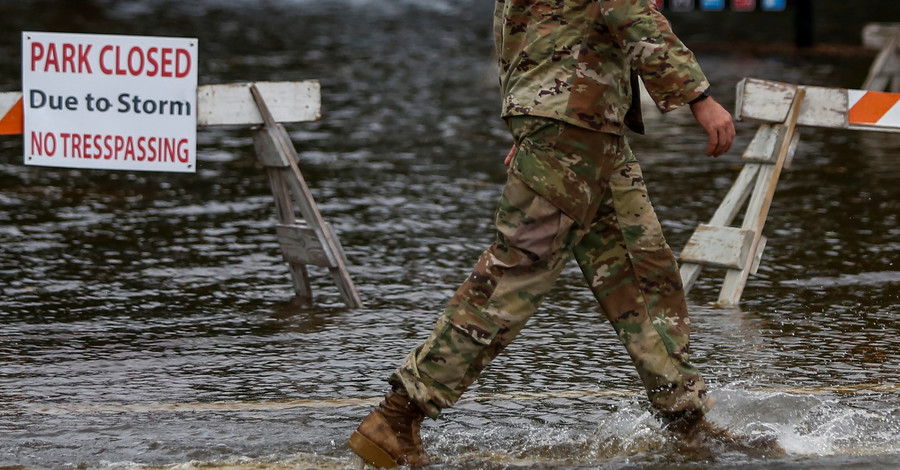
<point>370,451</point>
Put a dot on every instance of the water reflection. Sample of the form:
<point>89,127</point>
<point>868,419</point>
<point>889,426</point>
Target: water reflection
<point>147,318</point>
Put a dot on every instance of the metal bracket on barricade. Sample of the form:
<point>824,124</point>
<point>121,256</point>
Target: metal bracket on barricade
<point>780,107</point>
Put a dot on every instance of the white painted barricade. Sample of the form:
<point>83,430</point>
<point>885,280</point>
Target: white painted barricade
<point>781,108</point>
<point>874,109</point>
<point>12,120</point>
<point>769,101</point>
<point>876,35</point>
<point>307,241</point>
<point>234,105</point>
<point>230,104</point>
<point>884,74</point>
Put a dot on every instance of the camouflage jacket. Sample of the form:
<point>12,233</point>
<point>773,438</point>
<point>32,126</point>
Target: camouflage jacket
<point>573,60</point>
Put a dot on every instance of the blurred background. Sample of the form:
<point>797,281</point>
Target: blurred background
<point>146,319</point>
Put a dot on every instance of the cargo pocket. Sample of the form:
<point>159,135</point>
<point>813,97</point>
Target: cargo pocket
<point>463,334</point>
<point>548,171</point>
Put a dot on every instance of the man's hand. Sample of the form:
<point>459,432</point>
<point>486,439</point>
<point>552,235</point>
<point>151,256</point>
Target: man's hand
<point>718,124</point>
<point>509,156</point>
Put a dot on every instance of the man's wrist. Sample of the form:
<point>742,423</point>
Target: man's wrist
<point>700,98</point>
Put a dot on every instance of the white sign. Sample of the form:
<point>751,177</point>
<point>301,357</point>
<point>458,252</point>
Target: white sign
<point>111,102</point>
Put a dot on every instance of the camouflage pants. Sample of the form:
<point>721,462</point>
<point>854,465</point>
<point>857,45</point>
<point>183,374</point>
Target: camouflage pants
<point>570,192</point>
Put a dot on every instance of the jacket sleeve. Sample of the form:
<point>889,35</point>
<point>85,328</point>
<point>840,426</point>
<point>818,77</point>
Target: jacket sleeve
<point>668,68</point>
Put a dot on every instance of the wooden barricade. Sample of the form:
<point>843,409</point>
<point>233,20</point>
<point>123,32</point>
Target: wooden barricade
<point>884,74</point>
<point>306,241</point>
<point>781,108</point>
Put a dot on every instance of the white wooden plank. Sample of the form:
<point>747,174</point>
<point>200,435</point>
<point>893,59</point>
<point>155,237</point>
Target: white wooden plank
<point>761,201</point>
<point>302,286</point>
<point>736,196</point>
<point>769,101</point>
<point>723,247</point>
<point>879,75</point>
<point>795,142</point>
<point>876,35</point>
<point>689,273</point>
<point>891,65</point>
<point>267,150</point>
<point>300,245</point>
<point>757,259</point>
<point>736,279</point>
<point>233,104</point>
<point>303,197</point>
<point>724,215</point>
<point>762,147</point>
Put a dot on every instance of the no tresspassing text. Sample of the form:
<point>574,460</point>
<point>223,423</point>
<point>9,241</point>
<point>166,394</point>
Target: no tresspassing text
<point>110,147</point>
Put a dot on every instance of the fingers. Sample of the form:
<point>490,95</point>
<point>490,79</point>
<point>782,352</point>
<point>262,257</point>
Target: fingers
<point>718,124</point>
<point>720,140</point>
<point>724,138</point>
<point>713,144</point>
<point>509,156</point>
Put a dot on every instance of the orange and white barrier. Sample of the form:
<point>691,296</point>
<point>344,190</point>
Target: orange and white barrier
<point>884,74</point>
<point>781,108</point>
<point>11,106</point>
<point>873,108</point>
<point>835,108</point>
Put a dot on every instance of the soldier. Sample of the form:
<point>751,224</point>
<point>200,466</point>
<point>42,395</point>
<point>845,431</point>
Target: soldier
<point>568,76</point>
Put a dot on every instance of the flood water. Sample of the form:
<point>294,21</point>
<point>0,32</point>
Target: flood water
<point>146,320</point>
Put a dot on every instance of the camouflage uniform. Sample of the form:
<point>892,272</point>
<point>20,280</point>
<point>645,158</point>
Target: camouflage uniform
<point>574,189</point>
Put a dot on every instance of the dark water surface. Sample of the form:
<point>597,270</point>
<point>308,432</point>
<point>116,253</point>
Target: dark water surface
<point>146,319</point>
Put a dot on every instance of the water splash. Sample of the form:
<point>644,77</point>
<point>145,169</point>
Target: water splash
<point>821,423</point>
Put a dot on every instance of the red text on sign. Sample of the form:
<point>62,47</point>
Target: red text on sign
<point>141,149</point>
<point>152,62</point>
<point>61,58</point>
<point>135,61</point>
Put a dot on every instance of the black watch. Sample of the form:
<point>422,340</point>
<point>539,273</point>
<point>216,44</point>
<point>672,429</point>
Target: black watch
<point>700,98</point>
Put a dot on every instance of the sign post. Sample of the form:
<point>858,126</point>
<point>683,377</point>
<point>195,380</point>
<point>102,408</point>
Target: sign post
<point>110,102</point>
<point>131,103</point>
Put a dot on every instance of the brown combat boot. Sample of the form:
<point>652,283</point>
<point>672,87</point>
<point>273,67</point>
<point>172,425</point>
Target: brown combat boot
<point>702,439</point>
<point>389,436</point>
